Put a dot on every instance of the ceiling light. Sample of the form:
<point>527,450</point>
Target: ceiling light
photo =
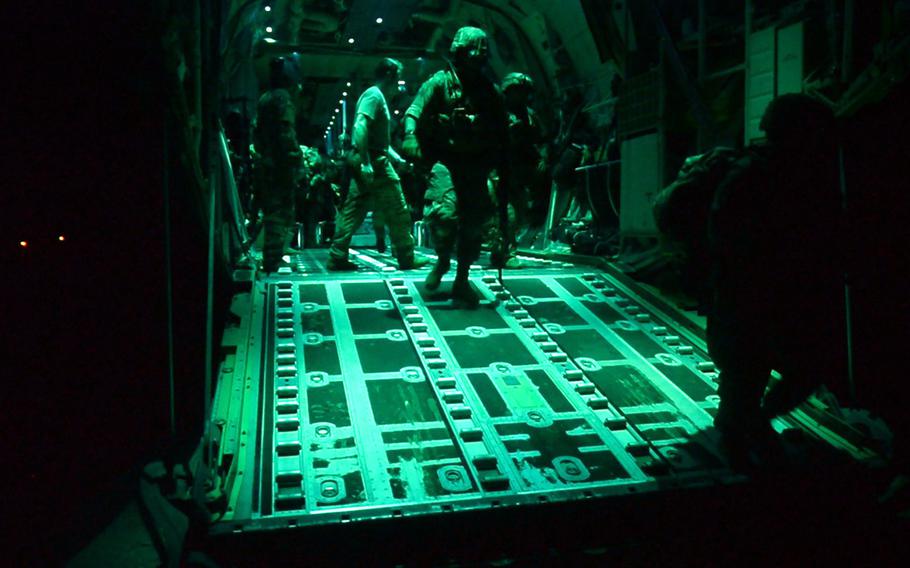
<point>268,8</point>
<point>401,82</point>
<point>336,110</point>
<point>378,20</point>
<point>396,111</point>
<point>341,101</point>
<point>269,40</point>
<point>344,94</point>
<point>268,29</point>
<point>350,40</point>
<point>61,238</point>
<point>349,83</point>
<point>23,244</point>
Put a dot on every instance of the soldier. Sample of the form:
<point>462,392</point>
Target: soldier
<point>275,170</point>
<point>458,118</point>
<point>774,227</point>
<point>377,185</point>
<point>527,154</point>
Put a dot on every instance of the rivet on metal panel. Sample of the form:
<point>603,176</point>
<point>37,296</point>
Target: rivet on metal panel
<point>414,318</point>
<point>671,340</point>
<point>527,323</point>
<point>521,314</point>
<point>425,341</point>
<point>436,363</point>
<point>685,350</point>
<point>453,397</point>
<point>494,481</point>
<point>616,423</point>
<point>705,366</point>
<point>286,392</point>
<point>598,403</point>
<point>460,412</point>
<point>289,407</point>
<point>289,478</point>
<point>638,449</point>
<point>574,375</point>
<point>445,383</point>
<point>539,336</point>
<point>548,346</point>
<point>513,306</point>
<point>287,371</point>
<point>584,388</point>
<point>471,434</point>
<point>288,448</point>
<point>558,357</point>
<point>287,424</point>
<point>659,330</point>
<point>411,309</point>
<point>419,327</point>
<point>484,462</point>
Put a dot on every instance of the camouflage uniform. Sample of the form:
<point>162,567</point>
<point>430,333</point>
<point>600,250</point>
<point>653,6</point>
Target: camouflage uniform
<point>463,128</point>
<point>276,163</point>
<point>528,180</point>
<point>440,212</point>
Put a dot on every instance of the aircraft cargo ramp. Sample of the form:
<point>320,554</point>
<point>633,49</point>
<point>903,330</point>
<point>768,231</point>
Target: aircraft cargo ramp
<point>361,399</point>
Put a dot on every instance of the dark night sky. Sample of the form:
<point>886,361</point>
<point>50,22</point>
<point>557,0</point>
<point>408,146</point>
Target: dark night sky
<point>81,156</point>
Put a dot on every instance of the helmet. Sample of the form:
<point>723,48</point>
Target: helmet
<point>517,80</point>
<point>471,42</point>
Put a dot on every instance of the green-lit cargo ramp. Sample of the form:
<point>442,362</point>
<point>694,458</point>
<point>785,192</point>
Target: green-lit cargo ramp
<point>364,396</point>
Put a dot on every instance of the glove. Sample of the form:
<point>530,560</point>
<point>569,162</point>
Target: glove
<point>410,147</point>
<point>366,173</point>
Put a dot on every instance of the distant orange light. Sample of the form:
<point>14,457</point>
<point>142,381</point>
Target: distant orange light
<point>61,238</point>
<point>23,244</point>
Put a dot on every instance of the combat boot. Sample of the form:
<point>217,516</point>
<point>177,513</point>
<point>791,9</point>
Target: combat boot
<point>411,262</point>
<point>340,265</point>
<point>463,294</point>
<point>434,278</point>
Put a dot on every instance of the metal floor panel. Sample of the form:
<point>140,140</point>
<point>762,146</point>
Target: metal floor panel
<point>365,396</point>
